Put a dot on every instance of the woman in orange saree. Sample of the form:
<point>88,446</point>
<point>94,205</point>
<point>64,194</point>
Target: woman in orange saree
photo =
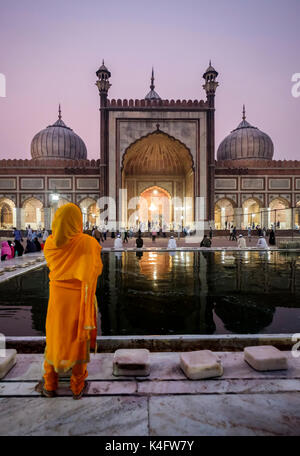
<point>74,261</point>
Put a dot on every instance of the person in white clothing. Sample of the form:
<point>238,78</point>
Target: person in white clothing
<point>262,243</point>
<point>118,244</point>
<point>172,243</point>
<point>45,235</point>
<point>241,243</point>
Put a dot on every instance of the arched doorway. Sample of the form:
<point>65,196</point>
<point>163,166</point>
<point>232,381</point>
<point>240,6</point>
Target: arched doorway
<point>224,214</point>
<point>155,209</point>
<point>251,213</point>
<point>6,216</point>
<point>297,216</point>
<point>280,213</point>
<point>158,162</point>
<point>90,212</point>
<point>33,213</point>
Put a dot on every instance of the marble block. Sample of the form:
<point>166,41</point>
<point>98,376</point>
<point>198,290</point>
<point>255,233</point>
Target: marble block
<point>200,364</point>
<point>7,361</point>
<point>265,358</point>
<point>132,362</point>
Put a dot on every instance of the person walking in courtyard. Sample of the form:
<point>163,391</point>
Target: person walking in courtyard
<point>233,234</point>
<point>45,235</point>
<point>210,233</point>
<point>74,261</point>
<point>29,233</point>
<point>139,242</point>
<point>249,234</point>
<point>153,234</point>
<point>272,240</point>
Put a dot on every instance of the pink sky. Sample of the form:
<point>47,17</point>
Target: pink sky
<point>50,51</point>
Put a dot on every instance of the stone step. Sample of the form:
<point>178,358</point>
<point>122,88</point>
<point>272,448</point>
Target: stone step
<point>7,361</point>
<point>265,358</point>
<point>201,364</point>
<point>131,362</point>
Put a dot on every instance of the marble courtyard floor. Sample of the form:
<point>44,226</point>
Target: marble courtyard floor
<point>243,402</point>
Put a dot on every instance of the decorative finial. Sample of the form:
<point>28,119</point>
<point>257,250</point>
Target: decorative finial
<point>209,62</point>
<point>59,112</point>
<point>244,113</point>
<point>102,61</point>
<point>152,86</point>
<point>157,127</point>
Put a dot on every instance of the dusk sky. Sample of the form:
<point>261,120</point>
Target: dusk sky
<point>50,51</point>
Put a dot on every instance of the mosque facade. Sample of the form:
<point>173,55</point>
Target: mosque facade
<point>157,163</point>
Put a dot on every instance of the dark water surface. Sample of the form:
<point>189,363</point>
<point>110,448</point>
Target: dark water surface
<point>173,293</point>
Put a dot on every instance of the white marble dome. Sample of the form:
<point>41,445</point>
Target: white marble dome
<point>246,142</point>
<point>58,141</point>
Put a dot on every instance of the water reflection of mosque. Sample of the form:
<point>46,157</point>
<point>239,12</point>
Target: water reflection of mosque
<point>196,292</point>
<point>177,292</point>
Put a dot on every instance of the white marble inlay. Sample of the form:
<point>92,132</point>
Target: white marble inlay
<point>226,415</point>
<point>105,415</point>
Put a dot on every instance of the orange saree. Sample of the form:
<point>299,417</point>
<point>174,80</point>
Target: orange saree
<point>74,261</point>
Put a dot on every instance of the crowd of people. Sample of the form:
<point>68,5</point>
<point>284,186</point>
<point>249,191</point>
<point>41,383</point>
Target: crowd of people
<point>34,240</point>
<point>256,231</point>
<point>28,242</point>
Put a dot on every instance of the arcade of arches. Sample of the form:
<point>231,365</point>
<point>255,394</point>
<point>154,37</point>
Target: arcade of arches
<point>252,213</point>
<point>158,175</point>
<point>34,214</point>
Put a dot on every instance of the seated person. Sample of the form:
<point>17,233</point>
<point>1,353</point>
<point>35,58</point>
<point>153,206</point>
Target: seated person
<point>241,243</point>
<point>12,248</point>
<point>139,242</point>
<point>37,244</point>
<point>6,252</point>
<point>205,242</point>
<point>262,243</point>
<point>30,247</point>
<point>19,249</point>
<point>172,243</point>
<point>118,244</point>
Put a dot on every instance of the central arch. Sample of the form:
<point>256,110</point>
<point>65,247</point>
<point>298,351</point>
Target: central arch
<point>162,163</point>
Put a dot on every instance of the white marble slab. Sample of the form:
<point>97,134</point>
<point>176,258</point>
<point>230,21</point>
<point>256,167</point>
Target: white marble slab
<point>211,386</point>
<point>19,264</point>
<point>62,416</point>
<point>225,415</point>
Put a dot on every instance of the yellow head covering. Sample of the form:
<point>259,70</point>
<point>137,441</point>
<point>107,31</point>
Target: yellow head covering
<point>67,224</point>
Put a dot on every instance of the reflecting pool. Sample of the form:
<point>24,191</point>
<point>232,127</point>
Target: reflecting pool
<point>193,292</point>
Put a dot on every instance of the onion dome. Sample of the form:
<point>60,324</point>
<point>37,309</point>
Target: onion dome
<point>152,95</point>
<point>246,142</point>
<point>58,141</point>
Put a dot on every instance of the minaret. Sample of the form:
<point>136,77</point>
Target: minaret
<point>210,87</point>
<point>103,84</point>
<point>211,84</point>
<point>152,95</point>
